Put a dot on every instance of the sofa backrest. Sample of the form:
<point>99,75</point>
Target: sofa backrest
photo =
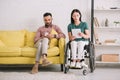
<point>13,38</point>
<point>21,38</point>
<point>29,38</point>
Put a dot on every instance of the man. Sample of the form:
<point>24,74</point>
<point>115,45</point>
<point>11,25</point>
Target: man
<point>42,38</point>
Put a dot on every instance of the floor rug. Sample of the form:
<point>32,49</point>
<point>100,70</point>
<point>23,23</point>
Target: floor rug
<point>38,76</point>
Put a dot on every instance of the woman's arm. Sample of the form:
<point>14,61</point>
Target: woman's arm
<point>85,35</point>
<point>71,38</point>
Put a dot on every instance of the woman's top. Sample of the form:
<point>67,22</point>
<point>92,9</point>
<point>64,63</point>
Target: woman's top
<point>82,27</point>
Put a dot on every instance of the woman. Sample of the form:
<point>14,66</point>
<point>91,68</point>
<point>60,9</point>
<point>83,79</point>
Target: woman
<point>78,35</point>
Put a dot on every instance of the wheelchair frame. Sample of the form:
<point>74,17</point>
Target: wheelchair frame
<point>89,53</point>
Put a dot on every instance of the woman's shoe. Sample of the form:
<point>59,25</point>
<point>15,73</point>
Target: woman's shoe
<point>78,65</point>
<point>72,64</point>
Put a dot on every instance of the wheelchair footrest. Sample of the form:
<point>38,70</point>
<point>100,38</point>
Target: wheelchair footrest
<point>76,67</point>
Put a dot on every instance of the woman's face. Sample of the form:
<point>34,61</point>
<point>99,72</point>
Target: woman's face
<point>76,16</point>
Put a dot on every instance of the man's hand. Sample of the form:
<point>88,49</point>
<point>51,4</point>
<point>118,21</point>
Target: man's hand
<point>50,36</point>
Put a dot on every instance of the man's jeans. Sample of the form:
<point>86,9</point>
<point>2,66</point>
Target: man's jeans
<point>42,47</point>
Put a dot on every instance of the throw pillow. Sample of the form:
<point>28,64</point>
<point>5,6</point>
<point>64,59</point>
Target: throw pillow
<point>1,44</point>
<point>29,40</point>
<point>53,42</point>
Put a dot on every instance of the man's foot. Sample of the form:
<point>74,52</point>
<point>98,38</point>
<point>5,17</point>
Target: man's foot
<point>34,69</point>
<point>45,62</point>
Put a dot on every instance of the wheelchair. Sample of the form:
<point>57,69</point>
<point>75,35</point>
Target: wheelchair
<point>88,53</point>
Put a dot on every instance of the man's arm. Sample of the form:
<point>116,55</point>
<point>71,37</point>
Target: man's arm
<point>37,36</point>
<point>60,33</point>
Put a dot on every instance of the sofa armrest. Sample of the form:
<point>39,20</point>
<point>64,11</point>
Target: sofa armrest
<point>62,49</point>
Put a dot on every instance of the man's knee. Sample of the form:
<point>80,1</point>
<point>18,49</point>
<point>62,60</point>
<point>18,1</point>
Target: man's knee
<point>45,39</point>
<point>37,44</point>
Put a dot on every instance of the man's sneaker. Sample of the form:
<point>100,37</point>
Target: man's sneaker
<point>72,64</point>
<point>83,64</point>
<point>78,65</point>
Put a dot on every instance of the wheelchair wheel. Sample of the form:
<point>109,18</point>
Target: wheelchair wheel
<point>66,66</point>
<point>66,69</point>
<point>92,57</point>
<point>85,72</point>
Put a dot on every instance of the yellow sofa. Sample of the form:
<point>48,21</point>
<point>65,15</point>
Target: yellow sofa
<point>17,47</point>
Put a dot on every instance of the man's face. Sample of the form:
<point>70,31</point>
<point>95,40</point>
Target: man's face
<point>48,20</point>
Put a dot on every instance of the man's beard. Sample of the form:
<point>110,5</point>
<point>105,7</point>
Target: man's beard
<point>48,24</point>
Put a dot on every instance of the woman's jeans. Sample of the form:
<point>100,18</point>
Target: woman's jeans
<point>77,48</point>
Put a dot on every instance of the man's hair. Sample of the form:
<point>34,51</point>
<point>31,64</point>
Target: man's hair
<point>47,14</point>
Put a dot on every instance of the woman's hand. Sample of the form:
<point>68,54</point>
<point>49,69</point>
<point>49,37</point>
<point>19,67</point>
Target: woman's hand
<point>81,34</point>
<point>72,38</point>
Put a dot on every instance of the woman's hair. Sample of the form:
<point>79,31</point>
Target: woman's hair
<point>75,10</point>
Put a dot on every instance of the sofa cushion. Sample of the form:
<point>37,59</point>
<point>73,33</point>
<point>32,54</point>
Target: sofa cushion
<point>28,51</point>
<point>31,52</point>
<point>13,38</point>
<point>10,51</point>
<point>2,44</point>
<point>54,51</point>
<point>29,39</point>
<point>53,42</point>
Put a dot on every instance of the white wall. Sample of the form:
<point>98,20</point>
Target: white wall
<point>28,14</point>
